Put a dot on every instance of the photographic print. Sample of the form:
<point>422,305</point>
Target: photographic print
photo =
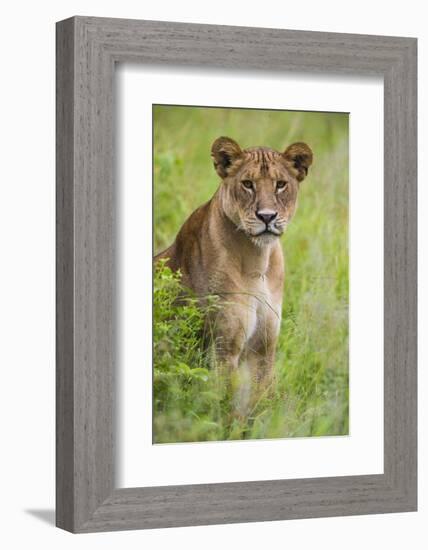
<point>250,274</point>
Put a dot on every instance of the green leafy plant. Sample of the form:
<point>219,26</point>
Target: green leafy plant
<point>186,386</point>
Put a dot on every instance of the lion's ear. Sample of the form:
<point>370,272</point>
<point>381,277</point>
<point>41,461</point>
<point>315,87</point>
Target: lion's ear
<point>224,152</point>
<point>300,156</point>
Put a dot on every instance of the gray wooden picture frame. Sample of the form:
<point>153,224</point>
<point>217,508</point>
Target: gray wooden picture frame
<point>87,51</point>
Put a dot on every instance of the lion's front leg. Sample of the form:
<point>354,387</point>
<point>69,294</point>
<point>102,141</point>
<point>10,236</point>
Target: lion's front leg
<point>231,328</point>
<point>261,362</point>
<point>260,354</point>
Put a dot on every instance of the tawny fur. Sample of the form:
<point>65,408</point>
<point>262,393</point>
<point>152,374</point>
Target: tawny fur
<point>220,250</point>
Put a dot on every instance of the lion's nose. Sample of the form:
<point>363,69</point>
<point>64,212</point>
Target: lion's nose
<point>266,216</point>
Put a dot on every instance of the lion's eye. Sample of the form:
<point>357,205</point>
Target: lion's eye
<point>248,184</point>
<point>281,184</point>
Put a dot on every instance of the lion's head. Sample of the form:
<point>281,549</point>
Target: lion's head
<point>260,185</point>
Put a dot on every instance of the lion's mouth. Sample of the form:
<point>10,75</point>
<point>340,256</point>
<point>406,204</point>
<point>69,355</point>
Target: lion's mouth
<point>268,231</point>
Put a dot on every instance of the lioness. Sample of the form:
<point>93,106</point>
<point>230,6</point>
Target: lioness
<point>230,247</point>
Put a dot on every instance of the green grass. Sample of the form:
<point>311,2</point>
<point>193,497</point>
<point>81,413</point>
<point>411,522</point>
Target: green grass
<point>191,401</point>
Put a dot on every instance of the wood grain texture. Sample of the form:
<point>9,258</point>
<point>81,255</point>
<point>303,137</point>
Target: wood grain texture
<point>87,50</point>
<point>64,277</point>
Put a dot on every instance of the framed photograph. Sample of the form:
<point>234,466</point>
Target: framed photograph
<point>236,274</point>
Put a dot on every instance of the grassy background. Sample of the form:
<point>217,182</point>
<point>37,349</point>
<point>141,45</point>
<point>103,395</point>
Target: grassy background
<point>311,394</point>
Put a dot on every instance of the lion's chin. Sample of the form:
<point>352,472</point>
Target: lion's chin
<point>264,239</point>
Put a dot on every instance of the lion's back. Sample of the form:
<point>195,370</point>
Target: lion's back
<point>187,251</point>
